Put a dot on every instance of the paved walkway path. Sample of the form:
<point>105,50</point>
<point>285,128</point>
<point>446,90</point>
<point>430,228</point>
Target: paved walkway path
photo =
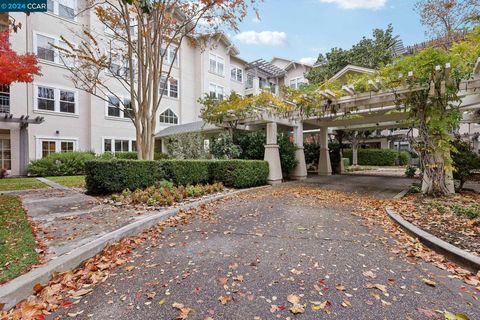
<point>261,247</point>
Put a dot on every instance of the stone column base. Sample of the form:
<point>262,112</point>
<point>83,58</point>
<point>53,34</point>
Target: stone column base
<point>272,156</point>
<point>300,171</point>
<point>324,166</point>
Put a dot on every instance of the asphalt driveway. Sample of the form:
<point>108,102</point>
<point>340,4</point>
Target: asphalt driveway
<point>262,250</point>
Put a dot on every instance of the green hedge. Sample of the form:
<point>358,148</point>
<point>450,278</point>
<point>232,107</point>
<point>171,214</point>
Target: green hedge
<point>239,173</point>
<point>183,172</point>
<point>404,158</point>
<point>109,176</point>
<point>116,175</point>
<point>374,157</point>
<point>60,164</point>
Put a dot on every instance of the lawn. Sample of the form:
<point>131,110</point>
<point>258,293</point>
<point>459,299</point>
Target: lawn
<point>17,242</point>
<point>9,184</point>
<point>69,181</point>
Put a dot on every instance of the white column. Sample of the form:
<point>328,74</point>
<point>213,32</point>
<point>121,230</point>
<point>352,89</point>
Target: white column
<point>324,166</point>
<point>272,155</point>
<point>300,171</point>
<point>355,150</point>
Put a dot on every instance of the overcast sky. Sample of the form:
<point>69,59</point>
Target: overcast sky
<point>300,29</point>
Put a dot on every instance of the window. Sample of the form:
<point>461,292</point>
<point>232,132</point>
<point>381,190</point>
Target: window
<point>169,88</point>
<point>45,51</point>
<point>5,154</point>
<point>4,98</point>
<point>56,100</point>
<point>67,101</point>
<point>118,107</point>
<point>115,65</point>
<point>171,56</point>
<point>113,107</point>
<point>249,83</point>
<point>66,146</point>
<point>216,64</point>
<point>216,91</point>
<point>296,82</point>
<point>168,116</point>
<point>46,99</point>
<point>49,146</point>
<point>237,74</point>
<point>62,8</point>
<point>118,145</point>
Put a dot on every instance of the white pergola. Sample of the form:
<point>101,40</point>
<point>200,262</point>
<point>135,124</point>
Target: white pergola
<point>373,109</point>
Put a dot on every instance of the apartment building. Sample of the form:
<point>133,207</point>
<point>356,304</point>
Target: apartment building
<point>50,115</point>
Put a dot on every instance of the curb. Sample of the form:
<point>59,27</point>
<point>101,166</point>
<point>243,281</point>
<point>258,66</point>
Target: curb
<point>401,194</point>
<point>21,287</point>
<point>461,257</point>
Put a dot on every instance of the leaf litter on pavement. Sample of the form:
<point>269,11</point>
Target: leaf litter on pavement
<point>73,285</point>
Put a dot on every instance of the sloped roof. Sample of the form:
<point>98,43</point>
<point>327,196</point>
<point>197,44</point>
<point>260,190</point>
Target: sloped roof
<point>187,128</point>
<point>353,68</point>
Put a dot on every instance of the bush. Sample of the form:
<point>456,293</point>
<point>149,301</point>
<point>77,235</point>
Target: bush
<point>287,150</point>
<point>222,147</point>
<point>373,157</point>
<point>465,161</point>
<point>312,153</point>
<point>111,176</point>
<point>404,158</point>
<point>251,144</point>
<point>410,171</point>
<point>60,164</point>
<point>186,146</point>
<point>183,172</point>
<point>471,212</point>
<point>346,162</point>
<point>239,173</point>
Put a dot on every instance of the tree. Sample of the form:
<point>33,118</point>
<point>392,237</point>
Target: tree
<point>368,52</point>
<point>15,67</point>
<point>444,18</point>
<point>465,161</point>
<point>141,50</point>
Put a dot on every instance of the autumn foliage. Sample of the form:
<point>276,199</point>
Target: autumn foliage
<point>15,67</point>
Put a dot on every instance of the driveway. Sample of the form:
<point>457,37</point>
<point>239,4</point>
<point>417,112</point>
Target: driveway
<point>259,248</point>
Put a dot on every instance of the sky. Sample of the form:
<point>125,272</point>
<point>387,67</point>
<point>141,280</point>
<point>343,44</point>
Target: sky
<point>301,29</point>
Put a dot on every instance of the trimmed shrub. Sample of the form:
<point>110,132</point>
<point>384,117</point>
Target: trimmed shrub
<point>404,158</point>
<point>346,162</point>
<point>287,149</point>
<point>239,173</point>
<point>183,172</point>
<point>251,144</point>
<point>130,155</point>
<point>312,152</point>
<point>109,176</point>
<point>222,147</point>
<point>374,157</point>
<point>112,176</point>
<point>410,171</point>
<point>60,164</point>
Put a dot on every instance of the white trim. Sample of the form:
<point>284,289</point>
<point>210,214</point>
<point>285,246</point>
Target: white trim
<point>233,66</point>
<point>112,139</point>
<point>57,140</point>
<point>56,55</point>
<point>217,62</point>
<point>56,93</point>
<point>168,123</point>
<point>353,68</point>
<point>56,11</point>
<point>216,89</point>
<point>122,107</point>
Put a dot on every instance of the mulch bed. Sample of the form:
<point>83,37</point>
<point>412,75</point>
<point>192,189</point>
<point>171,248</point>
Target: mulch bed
<point>446,218</point>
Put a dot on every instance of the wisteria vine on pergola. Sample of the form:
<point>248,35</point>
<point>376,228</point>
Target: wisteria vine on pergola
<point>425,85</point>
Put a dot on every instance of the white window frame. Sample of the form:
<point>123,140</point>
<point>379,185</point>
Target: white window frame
<point>56,10</point>
<point>169,91</point>
<point>297,82</point>
<point>237,69</point>
<point>56,92</point>
<point>168,123</point>
<point>58,144</point>
<point>122,108</point>
<point>170,55</point>
<point>218,60</point>
<point>112,141</point>
<point>56,53</point>
<point>216,90</point>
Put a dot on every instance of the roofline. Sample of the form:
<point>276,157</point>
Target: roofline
<point>354,68</point>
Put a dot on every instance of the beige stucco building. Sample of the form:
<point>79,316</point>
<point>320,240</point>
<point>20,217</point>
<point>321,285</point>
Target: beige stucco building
<point>61,118</point>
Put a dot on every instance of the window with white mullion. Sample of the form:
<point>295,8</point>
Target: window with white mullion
<point>118,107</point>
<point>63,8</point>
<point>169,88</point>
<point>45,49</point>
<point>56,100</point>
<point>236,74</point>
<point>45,98</point>
<point>216,64</point>
<point>168,117</point>
<point>216,91</point>
<point>170,54</point>
<point>115,145</point>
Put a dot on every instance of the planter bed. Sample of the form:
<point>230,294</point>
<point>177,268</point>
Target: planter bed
<point>454,219</point>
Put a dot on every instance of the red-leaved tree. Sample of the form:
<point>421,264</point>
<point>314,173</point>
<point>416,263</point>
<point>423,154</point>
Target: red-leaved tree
<point>15,67</point>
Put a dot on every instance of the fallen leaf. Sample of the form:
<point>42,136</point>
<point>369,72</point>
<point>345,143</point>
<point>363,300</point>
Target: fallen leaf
<point>225,299</point>
<point>429,282</point>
